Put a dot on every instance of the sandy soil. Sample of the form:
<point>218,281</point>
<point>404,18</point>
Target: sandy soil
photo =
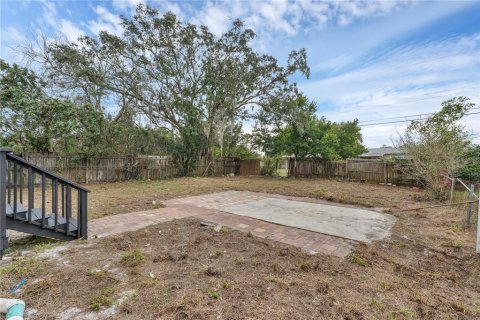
<point>428,269</point>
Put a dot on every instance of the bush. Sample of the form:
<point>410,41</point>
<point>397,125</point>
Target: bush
<point>471,171</point>
<point>269,166</point>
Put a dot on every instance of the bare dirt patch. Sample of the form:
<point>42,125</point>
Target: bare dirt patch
<point>428,269</point>
<point>182,270</point>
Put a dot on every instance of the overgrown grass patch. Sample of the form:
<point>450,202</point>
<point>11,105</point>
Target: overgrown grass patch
<point>357,258</point>
<point>132,258</point>
<point>102,299</point>
<point>23,266</point>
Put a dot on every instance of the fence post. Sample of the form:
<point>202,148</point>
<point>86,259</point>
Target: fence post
<point>3,203</point>
<point>452,190</point>
<point>469,207</point>
<point>346,169</point>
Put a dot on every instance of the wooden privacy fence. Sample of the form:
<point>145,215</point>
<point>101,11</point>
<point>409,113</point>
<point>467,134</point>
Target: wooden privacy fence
<point>120,168</point>
<point>357,169</point>
<point>143,167</point>
<point>250,167</point>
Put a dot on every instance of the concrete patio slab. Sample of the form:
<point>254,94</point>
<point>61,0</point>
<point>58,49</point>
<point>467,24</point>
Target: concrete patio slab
<point>314,225</point>
<point>345,222</point>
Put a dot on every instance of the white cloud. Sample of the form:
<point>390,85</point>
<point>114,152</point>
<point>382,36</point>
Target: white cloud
<point>216,17</point>
<point>287,17</point>
<point>49,15</point>
<point>107,21</point>
<point>50,19</point>
<point>70,31</point>
<point>9,39</point>
<point>12,35</point>
<point>127,5</point>
<point>405,81</point>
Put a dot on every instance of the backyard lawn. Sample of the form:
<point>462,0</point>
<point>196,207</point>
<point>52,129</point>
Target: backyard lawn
<point>427,269</point>
<point>122,197</point>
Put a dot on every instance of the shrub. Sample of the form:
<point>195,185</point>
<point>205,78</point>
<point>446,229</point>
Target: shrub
<point>269,166</point>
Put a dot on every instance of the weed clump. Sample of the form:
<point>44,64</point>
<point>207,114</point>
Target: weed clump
<point>214,294</point>
<point>357,258</point>
<point>102,299</point>
<point>132,258</point>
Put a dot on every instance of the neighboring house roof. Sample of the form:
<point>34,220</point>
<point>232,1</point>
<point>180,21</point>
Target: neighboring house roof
<point>382,152</point>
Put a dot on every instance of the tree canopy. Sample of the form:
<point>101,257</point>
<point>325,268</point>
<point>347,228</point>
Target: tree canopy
<point>437,146</point>
<point>179,75</point>
<point>296,131</point>
<point>32,121</point>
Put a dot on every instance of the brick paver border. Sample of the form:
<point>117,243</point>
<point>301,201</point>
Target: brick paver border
<point>209,208</point>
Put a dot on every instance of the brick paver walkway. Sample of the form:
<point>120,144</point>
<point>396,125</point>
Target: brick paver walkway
<point>209,208</point>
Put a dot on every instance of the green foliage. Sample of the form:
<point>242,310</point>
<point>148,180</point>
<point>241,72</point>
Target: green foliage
<point>33,122</point>
<point>298,132</point>
<point>437,146</point>
<point>357,258</point>
<point>29,119</point>
<point>214,294</point>
<point>235,144</point>
<point>269,166</point>
<point>102,299</point>
<point>132,258</point>
<point>471,170</point>
<point>182,77</point>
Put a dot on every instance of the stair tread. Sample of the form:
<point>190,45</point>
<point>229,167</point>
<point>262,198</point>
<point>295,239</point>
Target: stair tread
<point>22,214</point>
<point>62,221</point>
<point>20,208</point>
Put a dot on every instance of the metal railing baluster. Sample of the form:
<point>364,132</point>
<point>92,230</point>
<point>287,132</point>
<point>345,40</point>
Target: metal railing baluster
<point>83,228</point>
<point>14,191</point>
<point>79,222</point>
<point>43,199</point>
<point>21,184</point>
<point>30,193</point>
<point>55,203</point>
<point>68,208</point>
<point>63,199</point>
<point>9,182</point>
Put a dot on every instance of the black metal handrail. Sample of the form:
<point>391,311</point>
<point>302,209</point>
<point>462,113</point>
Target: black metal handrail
<point>48,173</point>
<point>61,222</point>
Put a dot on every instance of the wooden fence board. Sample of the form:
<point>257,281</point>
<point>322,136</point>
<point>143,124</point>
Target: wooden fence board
<point>250,167</point>
<point>377,171</point>
<point>121,168</point>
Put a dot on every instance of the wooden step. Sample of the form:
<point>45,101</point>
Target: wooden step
<point>20,209</point>
<point>62,223</point>
<point>22,215</point>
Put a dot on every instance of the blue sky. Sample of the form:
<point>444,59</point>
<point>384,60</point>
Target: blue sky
<point>369,60</point>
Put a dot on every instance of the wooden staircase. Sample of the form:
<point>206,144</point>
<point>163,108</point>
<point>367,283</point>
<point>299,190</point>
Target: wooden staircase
<point>39,202</point>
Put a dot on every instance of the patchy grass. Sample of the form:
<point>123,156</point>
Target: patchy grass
<point>428,269</point>
<point>132,258</point>
<point>214,294</point>
<point>102,299</point>
<point>23,266</point>
<point>31,243</point>
<point>357,258</point>
<point>123,197</point>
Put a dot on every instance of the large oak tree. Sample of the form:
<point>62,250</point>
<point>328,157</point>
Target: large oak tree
<point>181,76</point>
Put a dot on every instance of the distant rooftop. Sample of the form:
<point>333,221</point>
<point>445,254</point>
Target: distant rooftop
<point>382,152</point>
